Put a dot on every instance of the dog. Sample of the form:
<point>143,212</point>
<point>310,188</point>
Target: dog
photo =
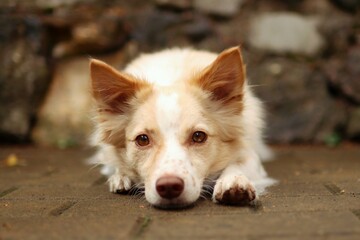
<point>178,122</point>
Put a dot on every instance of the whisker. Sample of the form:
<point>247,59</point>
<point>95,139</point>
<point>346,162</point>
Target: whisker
<point>207,191</point>
<point>209,180</point>
<point>208,187</point>
<point>94,165</point>
<point>137,191</point>
<point>256,85</point>
<point>138,196</point>
<point>203,197</point>
<point>206,195</point>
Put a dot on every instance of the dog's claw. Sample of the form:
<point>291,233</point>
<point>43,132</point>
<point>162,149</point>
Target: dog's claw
<point>119,184</point>
<point>237,192</point>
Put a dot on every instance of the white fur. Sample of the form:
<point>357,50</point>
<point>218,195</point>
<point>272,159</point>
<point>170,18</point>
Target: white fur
<point>174,159</point>
<point>167,112</point>
<point>168,70</point>
<point>169,67</point>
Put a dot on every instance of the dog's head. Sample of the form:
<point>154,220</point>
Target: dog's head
<point>171,138</point>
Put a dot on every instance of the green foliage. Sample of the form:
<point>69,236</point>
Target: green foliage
<point>66,143</point>
<point>333,139</point>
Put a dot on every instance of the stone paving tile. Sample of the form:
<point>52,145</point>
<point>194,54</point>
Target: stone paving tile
<point>26,208</point>
<point>67,228</point>
<point>305,224</point>
<point>58,192</point>
<point>56,196</point>
<point>333,236</point>
<point>311,203</point>
<point>135,206</point>
<point>316,164</point>
<point>293,189</point>
<point>58,167</point>
<point>350,187</point>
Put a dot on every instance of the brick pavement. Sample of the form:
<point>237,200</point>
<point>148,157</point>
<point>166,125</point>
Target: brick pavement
<point>56,196</point>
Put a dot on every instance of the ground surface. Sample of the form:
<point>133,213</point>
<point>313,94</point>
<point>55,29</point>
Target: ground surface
<point>53,195</point>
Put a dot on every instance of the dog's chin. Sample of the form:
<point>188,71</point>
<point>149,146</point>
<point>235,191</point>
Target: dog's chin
<point>172,204</point>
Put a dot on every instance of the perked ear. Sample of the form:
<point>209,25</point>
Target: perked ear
<point>225,77</point>
<point>112,89</point>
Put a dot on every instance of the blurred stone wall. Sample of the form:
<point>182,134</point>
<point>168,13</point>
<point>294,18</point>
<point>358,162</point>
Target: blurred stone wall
<point>303,60</point>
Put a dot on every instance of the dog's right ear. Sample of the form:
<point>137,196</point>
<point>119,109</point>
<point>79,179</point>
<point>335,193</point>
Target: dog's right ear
<point>112,89</point>
<point>225,77</point>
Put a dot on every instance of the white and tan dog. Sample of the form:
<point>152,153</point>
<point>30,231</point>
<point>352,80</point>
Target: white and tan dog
<point>172,120</point>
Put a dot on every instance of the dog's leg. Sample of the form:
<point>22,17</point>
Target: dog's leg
<point>111,167</point>
<point>234,185</point>
<point>118,182</point>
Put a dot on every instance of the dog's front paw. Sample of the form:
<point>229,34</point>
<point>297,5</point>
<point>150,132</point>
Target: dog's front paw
<point>234,190</point>
<point>119,183</point>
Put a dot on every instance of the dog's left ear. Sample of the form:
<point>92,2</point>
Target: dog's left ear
<point>225,77</point>
<point>112,89</point>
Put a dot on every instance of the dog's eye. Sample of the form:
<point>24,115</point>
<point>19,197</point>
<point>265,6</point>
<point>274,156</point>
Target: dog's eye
<point>199,137</point>
<point>142,140</point>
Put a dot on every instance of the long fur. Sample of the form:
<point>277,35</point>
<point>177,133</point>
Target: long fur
<point>169,95</point>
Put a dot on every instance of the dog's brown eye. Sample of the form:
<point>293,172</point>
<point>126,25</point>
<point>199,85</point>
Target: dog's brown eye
<point>142,140</point>
<point>199,137</point>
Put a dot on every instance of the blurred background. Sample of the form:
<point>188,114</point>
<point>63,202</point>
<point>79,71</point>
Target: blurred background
<point>302,56</point>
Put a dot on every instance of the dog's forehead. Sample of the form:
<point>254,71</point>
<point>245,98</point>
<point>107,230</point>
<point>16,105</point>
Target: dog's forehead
<point>168,111</point>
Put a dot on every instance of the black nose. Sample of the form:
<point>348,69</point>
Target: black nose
<point>169,186</point>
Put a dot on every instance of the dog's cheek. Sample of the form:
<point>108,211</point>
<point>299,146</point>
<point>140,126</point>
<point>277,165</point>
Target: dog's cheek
<point>132,160</point>
<point>204,157</point>
<point>215,157</point>
<point>150,192</point>
<point>143,162</point>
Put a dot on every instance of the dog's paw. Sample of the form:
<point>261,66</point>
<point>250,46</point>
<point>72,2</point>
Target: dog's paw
<point>234,190</point>
<point>119,184</point>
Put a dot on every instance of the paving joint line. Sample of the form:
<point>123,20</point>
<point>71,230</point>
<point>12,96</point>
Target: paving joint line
<point>257,206</point>
<point>333,188</point>
<point>141,224</point>
<point>100,181</point>
<point>356,212</point>
<point>62,208</point>
<point>8,191</point>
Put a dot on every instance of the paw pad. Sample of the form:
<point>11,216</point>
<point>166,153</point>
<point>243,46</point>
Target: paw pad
<point>236,196</point>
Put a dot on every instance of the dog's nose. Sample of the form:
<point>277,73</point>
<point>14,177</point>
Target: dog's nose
<point>169,186</point>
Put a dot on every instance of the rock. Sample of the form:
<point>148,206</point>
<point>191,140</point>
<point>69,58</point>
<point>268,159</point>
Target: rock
<point>344,74</point>
<point>24,75</point>
<point>147,25</point>
<point>353,127</point>
<point>64,118</point>
<point>49,4</point>
<point>198,29</point>
<point>42,4</point>
<point>299,106</point>
<point>284,32</point>
<point>318,7</point>
<point>347,5</point>
<point>107,32</point>
<point>224,8</point>
<point>340,23</point>
<point>179,4</point>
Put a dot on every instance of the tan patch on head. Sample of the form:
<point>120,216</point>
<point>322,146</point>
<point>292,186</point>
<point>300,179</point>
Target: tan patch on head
<point>117,95</point>
<point>219,89</point>
<point>225,77</point>
<point>112,89</point>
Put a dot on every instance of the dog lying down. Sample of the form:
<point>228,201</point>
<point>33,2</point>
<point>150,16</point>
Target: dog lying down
<point>177,122</point>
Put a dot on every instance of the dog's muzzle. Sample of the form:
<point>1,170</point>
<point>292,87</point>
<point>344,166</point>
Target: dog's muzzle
<point>169,187</point>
